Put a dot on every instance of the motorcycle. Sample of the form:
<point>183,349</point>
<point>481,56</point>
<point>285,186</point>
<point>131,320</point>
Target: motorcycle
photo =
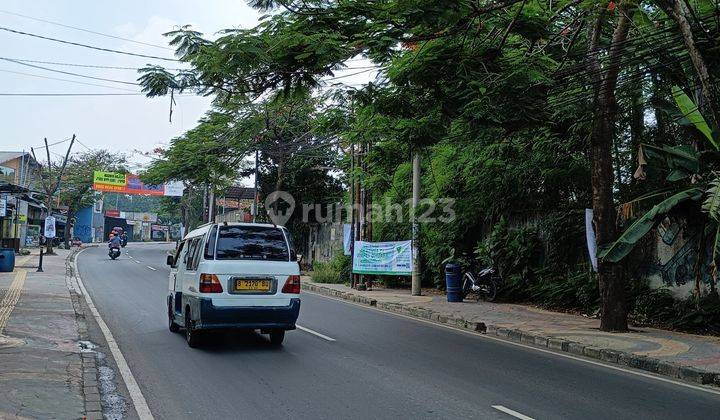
<point>114,252</point>
<point>484,283</point>
<point>123,241</point>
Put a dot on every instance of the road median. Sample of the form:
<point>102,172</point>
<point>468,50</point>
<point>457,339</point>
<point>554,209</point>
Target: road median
<point>687,357</point>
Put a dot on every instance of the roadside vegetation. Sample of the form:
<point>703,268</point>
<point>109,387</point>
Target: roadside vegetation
<point>524,112</point>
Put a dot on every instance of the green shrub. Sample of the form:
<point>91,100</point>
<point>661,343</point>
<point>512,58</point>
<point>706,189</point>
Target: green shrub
<point>337,270</point>
<point>342,264</point>
<point>323,272</point>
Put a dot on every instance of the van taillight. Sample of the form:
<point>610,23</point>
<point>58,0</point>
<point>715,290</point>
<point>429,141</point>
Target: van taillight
<point>292,285</point>
<point>209,283</point>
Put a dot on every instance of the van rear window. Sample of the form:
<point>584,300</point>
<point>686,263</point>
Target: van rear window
<point>251,243</point>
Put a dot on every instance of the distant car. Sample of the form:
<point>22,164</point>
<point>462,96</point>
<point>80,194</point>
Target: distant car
<point>234,275</point>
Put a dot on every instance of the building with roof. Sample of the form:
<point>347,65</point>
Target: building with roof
<point>21,209</point>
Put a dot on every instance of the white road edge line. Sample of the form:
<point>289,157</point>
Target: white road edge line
<point>315,333</point>
<point>141,406</point>
<point>488,337</point>
<point>153,269</point>
<point>511,412</point>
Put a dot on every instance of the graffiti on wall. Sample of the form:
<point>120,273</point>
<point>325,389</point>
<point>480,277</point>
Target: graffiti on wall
<point>677,254</point>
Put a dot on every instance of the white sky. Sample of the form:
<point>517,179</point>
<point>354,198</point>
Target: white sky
<point>112,122</point>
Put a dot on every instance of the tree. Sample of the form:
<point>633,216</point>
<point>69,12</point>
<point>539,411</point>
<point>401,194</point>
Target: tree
<point>76,185</point>
<point>519,107</point>
<point>50,177</point>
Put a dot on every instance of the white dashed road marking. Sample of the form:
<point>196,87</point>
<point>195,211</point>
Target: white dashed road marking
<point>511,412</point>
<point>153,269</point>
<point>315,333</point>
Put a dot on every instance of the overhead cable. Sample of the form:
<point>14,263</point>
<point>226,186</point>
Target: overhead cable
<point>92,47</point>
<point>85,30</point>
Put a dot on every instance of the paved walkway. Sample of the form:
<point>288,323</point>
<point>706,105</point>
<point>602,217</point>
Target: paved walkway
<point>660,351</point>
<point>42,366</point>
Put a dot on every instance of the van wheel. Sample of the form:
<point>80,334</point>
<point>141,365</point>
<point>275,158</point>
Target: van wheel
<point>277,337</point>
<point>172,325</point>
<point>192,336</point>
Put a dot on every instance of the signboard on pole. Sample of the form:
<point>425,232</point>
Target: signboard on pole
<point>389,258</point>
<point>174,189</point>
<point>131,184</point>
<point>3,207</point>
<point>49,227</point>
<point>109,178</point>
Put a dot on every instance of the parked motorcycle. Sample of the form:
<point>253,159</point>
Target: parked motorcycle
<point>484,283</point>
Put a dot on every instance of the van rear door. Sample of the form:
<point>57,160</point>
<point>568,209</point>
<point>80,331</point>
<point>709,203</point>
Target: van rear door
<point>253,262</point>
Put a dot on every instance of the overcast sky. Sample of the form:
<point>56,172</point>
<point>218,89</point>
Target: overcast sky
<point>116,123</point>
<point>119,123</point>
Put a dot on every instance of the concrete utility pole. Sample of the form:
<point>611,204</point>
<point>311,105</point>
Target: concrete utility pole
<point>255,202</point>
<point>415,229</point>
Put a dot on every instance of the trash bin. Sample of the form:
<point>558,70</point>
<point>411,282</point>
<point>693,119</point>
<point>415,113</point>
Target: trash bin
<point>7,260</point>
<point>452,283</point>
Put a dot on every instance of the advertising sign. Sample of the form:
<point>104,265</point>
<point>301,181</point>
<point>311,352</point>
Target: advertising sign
<point>32,235</point>
<point>174,189</point>
<point>3,207</point>
<point>112,213</point>
<point>50,227</point>
<point>131,184</point>
<point>109,178</point>
<point>391,258</point>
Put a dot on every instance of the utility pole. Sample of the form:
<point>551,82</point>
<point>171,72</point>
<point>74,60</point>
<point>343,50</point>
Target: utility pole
<point>255,204</point>
<point>50,186</point>
<point>415,229</point>
<point>352,213</point>
<point>211,205</point>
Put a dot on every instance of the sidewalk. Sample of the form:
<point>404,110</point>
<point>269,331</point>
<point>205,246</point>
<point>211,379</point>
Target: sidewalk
<point>44,373</point>
<point>689,357</point>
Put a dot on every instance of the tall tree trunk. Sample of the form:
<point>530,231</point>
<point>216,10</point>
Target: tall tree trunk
<point>612,290</point>
<point>69,227</point>
<point>678,11</point>
<point>280,169</point>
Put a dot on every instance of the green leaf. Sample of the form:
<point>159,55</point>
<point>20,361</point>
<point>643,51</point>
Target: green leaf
<point>712,201</point>
<point>691,112</point>
<point>627,241</point>
<point>682,160</point>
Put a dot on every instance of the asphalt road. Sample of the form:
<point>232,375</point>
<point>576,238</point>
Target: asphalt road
<point>379,366</point>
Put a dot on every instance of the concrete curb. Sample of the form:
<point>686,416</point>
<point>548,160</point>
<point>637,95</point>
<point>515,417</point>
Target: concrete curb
<point>669,369</point>
<point>90,388</point>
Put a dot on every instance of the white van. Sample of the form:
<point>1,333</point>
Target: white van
<point>234,275</point>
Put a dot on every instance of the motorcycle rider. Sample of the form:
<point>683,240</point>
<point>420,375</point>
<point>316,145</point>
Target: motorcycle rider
<point>114,241</point>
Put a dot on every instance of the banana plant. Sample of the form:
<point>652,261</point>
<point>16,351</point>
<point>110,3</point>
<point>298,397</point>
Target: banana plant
<point>692,181</point>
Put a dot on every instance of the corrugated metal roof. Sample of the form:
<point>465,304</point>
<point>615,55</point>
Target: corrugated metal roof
<point>242,193</point>
<point>6,156</point>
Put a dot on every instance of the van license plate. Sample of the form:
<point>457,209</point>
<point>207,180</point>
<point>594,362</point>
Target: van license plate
<point>242,285</point>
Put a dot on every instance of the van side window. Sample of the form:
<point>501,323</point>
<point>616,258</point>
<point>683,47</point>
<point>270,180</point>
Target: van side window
<point>189,253</point>
<point>210,244</point>
<point>178,252</point>
<point>194,259</point>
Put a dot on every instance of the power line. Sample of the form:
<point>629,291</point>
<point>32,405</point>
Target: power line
<point>85,45</point>
<point>63,80</point>
<point>68,73</point>
<point>92,66</point>
<point>83,145</point>
<point>84,30</point>
<point>30,94</point>
<point>53,144</point>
